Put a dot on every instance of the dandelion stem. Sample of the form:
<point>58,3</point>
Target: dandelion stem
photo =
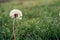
<point>13,30</point>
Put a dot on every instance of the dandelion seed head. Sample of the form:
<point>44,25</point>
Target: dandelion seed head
<point>15,13</point>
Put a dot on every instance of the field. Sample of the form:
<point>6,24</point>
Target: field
<point>41,20</point>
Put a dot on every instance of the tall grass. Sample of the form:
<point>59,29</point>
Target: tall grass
<point>40,22</point>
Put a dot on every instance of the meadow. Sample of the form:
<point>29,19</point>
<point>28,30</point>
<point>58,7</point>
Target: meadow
<point>41,20</point>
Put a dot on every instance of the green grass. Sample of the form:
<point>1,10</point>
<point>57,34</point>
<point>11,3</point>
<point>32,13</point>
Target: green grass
<point>40,22</point>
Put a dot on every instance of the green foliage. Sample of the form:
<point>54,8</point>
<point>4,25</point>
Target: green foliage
<point>41,22</point>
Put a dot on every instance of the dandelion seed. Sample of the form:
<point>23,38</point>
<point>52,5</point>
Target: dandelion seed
<point>15,13</point>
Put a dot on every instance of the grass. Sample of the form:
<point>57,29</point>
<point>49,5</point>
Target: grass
<point>40,21</point>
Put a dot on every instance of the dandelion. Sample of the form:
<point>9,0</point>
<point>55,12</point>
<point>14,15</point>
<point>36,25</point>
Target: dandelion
<point>15,13</point>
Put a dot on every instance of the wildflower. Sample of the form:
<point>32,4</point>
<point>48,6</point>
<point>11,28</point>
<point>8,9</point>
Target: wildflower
<point>15,13</point>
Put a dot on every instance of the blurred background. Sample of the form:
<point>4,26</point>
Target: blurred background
<point>41,20</point>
